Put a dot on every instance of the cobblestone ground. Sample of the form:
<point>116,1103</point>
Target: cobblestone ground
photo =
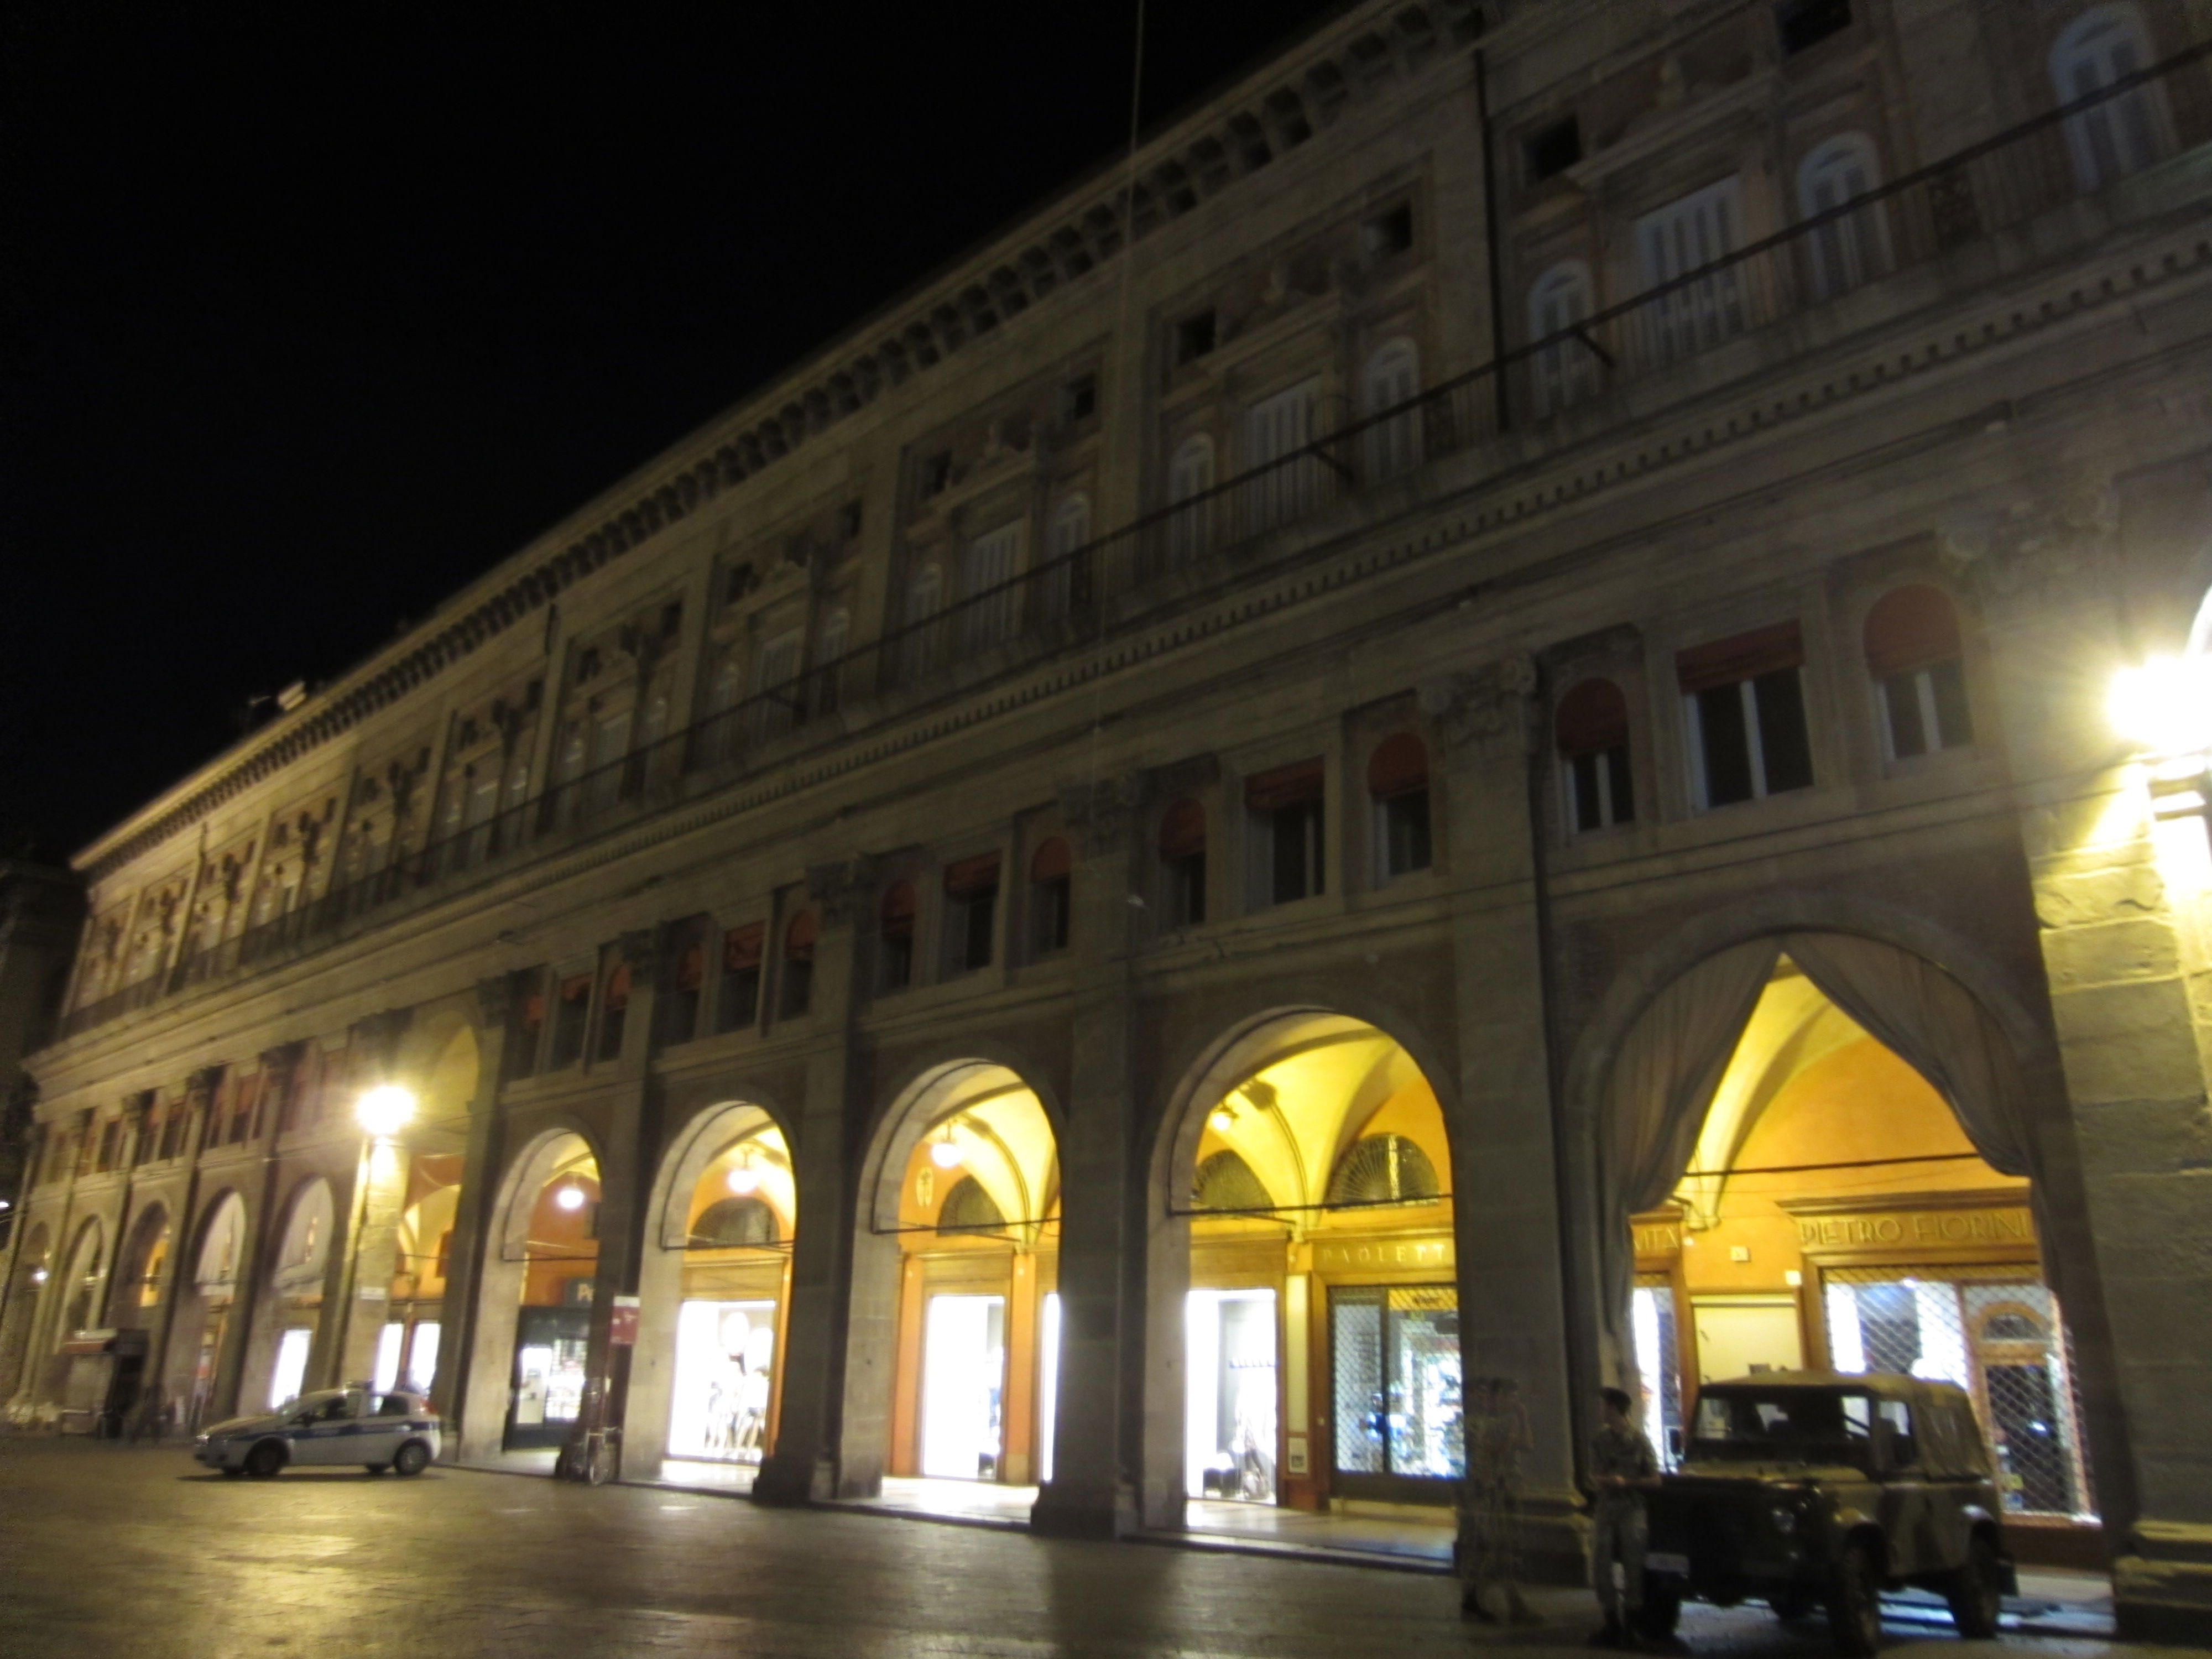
<point>109,1551</point>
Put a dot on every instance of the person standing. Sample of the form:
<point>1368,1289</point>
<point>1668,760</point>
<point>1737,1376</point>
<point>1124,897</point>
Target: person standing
<point>1497,1432</point>
<point>1622,1469</point>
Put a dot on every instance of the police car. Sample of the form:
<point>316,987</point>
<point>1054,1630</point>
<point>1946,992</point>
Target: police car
<point>378,1430</point>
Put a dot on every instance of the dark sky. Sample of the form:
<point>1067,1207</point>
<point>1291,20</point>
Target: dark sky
<point>309,313</point>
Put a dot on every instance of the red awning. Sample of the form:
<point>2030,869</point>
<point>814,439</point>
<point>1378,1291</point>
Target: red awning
<point>1399,766</point>
<point>742,947</point>
<point>1051,861</point>
<point>972,875</point>
<point>1182,831</point>
<point>1286,786</point>
<point>1742,657</point>
<point>1592,718</point>
<point>1911,628</point>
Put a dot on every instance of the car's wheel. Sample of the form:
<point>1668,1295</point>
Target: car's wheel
<point>1792,1605</point>
<point>265,1461</point>
<point>1855,1604</point>
<point>410,1459</point>
<point>1976,1591</point>
<point>1663,1607</point>
<point>230,1474</point>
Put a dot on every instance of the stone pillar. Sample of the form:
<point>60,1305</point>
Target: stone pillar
<point>480,1165</point>
<point>829,1439</point>
<point>1108,1477</point>
<point>249,1294</point>
<point>1513,1296</point>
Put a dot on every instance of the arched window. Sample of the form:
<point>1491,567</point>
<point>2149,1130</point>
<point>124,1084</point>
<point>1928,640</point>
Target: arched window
<point>1398,787</point>
<point>798,937</point>
<point>734,1223</point>
<point>1071,535</point>
<point>990,605</point>
<point>1225,1182</point>
<point>1183,862</point>
<point>1591,726</point>
<point>925,594</point>
<point>1393,378</point>
<point>775,686</point>
<point>1383,1169</point>
<point>1051,892</point>
<point>1914,658</point>
<point>1190,475</point>
<point>2122,134</point>
<point>1852,247</point>
<point>829,646</point>
<point>895,937</point>
<point>969,1209</point>
<point>1565,371</point>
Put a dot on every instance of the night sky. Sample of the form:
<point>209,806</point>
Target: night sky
<point>309,315</point>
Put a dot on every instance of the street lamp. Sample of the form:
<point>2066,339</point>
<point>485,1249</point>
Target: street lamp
<point>2164,707</point>
<point>385,1110</point>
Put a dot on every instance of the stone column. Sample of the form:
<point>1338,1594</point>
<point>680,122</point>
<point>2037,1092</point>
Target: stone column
<point>480,1166</point>
<point>826,1444</point>
<point>249,1291</point>
<point>1107,1479</point>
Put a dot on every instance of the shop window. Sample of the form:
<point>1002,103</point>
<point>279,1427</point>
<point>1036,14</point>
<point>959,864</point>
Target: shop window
<point>1395,1369</point>
<point>1913,655</point>
<point>895,937</point>
<point>571,1014</point>
<point>1746,709</point>
<point>1285,841</point>
<point>1803,24</point>
<point>969,1209</point>
<point>798,965</point>
<point>1551,150</point>
<point>1183,862</point>
<point>2119,135</point>
<point>1398,789</point>
<point>1383,1169</point>
<point>1685,236</point>
<point>1224,1181</point>
<point>737,998</point>
<point>520,1058</point>
<point>687,984</point>
<point>971,909</point>
<point>1394,379</point>
<point>1564,371</point>
<point>734,1223</point>
<point>1852,245</point>
<point>1051,884</point>
<point>1591,726</point>
<point>614,1011</point>
<point>1190,477</point>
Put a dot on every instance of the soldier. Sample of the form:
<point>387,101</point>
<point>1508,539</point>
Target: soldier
<point>1496,1433</point>
<point>1622,1469</point>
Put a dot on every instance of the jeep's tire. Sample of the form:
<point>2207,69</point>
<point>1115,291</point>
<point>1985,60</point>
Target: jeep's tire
<point>1976,1592</point>
<point>410,1459</point>
<point>265,1461</point>
<point>1663,1607</point>
<point>1855,1604</point>
<point>1791,1606</point>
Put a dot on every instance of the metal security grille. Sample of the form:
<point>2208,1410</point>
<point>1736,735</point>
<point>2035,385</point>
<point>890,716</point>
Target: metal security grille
<point>1395,1364</point>
<point>1997,1332</point>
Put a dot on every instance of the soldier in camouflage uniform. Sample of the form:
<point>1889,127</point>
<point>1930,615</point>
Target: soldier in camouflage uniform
<point>1622,1469</point>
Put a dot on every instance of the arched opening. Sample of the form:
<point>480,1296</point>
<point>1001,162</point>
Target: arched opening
<point>1308,1177</point>
<point>80,1284</point>
<point>136,1290</point>
<point>291,1304</point>
<point>552,1233</point>
<point>200,1326</point>
<point>714,1296</point>
<point>26,1291</point>
<point>1816,1144</point>
<point>957,1265</point>
<point>410,1343</point>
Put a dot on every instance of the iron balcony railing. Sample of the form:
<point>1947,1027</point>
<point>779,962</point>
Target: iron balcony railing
<point>2020,181</point>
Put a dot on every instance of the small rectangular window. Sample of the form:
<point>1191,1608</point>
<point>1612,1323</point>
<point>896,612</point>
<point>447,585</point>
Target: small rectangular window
<point>1926,710</point>
<point>1402,829</point>
<point>1285,838</point>
<point>1551,150</point>
<point>971,909</point>
<point>936,474</point>
<point>1746,712</point>
<point>1195,338</point>
<point>1186,890</point>
<point>1050,902</point>
<point>569,1017</point>
<point>848,522</point>
<point>1389,234</point>
<point>1804,23</point>
<point>686,981</point>
<point>737,996</point>
<point>521,1058</point>
<point>1079,398</point>
<point>1601,791</point>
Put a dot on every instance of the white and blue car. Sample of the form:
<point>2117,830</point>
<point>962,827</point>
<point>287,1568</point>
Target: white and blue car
<point>378,1429</point>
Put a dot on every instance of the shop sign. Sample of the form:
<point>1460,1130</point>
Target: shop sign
<point>1368,1254</point>
<point>1931,1229</point>
<point>622,1322</point>
<point>1658,1237</point>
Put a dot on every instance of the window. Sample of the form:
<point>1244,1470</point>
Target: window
<point>1194,337</point>
<point>2120,135</point>
<point>1591,725</point>
<point>570,1016</point>
<point>829,653</point>
<point>895,937</point>
<point>1806,23</point>
<point>936,474</point>
<point>990,605</point>
<point>1913,655</point>
<point>1275,429</point>
<point>1183,862</point>
<point>798,964</point>
<point>1565,371</point>
<point>732,1224</point>
<point>1190,475</point>
<point>737,998</point>
<point>849,523</point>
<point>1393,378</point>
<point>1551,150</point>
<point>1389,234</point>
<point>1384,1168</point>
<point>971,906</point>
<point>1071,534</point>
<point>1079,398</point>
<point>1223,1180</point>
<point>111,1144</point>
<point>687,983</point>
<point>1398,787</point>
<point>1682,237</point>
<point>1051,891</point>
<point>918,644</point>
<point>520,1059</point>
<point>775,694</point>
<point>610,744</point>
<point>1286,839</point>
<point>614,1011</point>
<point>1746,715</point>
<point>1853,246</point>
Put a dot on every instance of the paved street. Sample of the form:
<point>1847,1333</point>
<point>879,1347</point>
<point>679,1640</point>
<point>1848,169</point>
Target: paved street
<point>108,1551</point>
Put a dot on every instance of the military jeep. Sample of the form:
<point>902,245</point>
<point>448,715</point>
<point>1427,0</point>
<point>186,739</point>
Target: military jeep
<point>1809,1489</point>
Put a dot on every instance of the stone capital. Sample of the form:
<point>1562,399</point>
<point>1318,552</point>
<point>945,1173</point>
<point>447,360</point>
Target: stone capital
<point>842,887</point>
<point>1481,708</point>
<point>1102,811</point>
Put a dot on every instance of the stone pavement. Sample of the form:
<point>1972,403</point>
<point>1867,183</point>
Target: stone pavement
<point>108,1551</point>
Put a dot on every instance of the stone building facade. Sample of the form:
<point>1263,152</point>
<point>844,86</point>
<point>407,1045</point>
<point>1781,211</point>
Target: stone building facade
<point>1261,803</point>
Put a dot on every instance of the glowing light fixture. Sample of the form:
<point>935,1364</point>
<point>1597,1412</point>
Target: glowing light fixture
<point>2165,705</point>
<point>38,1275</point>
<point>1222,1119</point>
<point>570,1196</point>
<point>385,1110</point>
<point>943,1153</point>
<point>744,1179</point>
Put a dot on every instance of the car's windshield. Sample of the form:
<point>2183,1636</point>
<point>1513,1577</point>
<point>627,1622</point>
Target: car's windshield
<point>1786,1424</point>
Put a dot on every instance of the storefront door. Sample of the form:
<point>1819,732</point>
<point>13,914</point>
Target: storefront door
<point>963,1365</point>
<point>1396,1379</point>
<point>1229,1346</point>
<point>550,1348</point>
<point>724,1372</point>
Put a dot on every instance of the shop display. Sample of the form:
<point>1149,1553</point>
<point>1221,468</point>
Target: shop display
<point>1230,1417</point>
<point>725,1372</point>
<point>963,1365</point>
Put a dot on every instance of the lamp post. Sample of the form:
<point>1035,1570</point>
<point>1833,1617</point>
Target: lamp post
<point>2165,706</point>
<point>383,1113</point>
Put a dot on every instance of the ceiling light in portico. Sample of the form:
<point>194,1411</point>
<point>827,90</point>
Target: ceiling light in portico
<point>570,1196</point>
<point>744,1179</point>
<point>1222,1119</point>
<point>944,1153</point>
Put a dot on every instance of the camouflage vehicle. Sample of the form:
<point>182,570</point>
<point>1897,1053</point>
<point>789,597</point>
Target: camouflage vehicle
<point>1813,1490</point>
